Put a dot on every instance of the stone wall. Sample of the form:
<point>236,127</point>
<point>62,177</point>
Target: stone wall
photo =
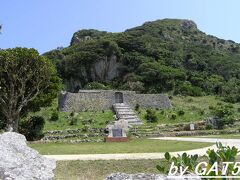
<point>94,100</point>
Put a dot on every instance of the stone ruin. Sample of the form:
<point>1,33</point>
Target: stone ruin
<point>19,162</point>
<point>94,100</point>
<point>122,102</point>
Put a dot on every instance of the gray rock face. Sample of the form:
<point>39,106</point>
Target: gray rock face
<point>19,162</point>
<point>106,69</point>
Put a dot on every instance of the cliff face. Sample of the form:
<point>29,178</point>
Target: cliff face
<point>159,56</point>
<point>103,70</point>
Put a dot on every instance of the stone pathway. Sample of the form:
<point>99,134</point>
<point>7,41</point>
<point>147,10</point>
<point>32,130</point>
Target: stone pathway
<point>201,151</point>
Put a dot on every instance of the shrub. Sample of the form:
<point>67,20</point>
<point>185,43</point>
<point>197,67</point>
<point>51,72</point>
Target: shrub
<point>72,113</point>
<point>181,112</point>
<point>224,115</point>
<point>211,107</point>
<point>151,116</point>
<point>73,121</point>
<point>190,100</point>
<point>87,121</point>
<point>85,128</point>
<point>162,112</point>
<point>173,116</point>
<point>183,160</point>
<point>225,121</point>
<point>95,85</point>
<point>137,106</point>
<point>189,162</point>
<point>54,116</point>
<point>32,128</point>
<point>209,126</point>
<point>186,88</point>
<point>201,112</point>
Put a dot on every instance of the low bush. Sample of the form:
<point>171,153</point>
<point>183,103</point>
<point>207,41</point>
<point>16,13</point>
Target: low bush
<point>32,128</point>
<point>181,112</point>
<point>85,128</point>
<point>224,115</point>
<point>72,121</point>
<point>151,116</point>
<point>54,116</point>
<point>162,112</point>
<point>87,121</point>
<point>209,126</point>
<point>173,116</point>
<point>137,106</point>
<point>220,156</point>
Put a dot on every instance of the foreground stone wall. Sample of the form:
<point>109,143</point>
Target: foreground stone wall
<point>94,100</point>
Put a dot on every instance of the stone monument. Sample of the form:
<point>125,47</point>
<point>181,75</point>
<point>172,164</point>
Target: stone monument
<point>117,132</point>
<point>192,127</point>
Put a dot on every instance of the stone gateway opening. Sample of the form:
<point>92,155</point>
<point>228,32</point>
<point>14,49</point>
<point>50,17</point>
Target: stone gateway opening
<point>118,97</point>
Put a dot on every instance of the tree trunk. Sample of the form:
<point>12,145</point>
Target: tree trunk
<point>12,124</point>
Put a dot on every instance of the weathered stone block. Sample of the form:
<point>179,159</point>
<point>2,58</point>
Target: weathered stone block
<point>19,162</point>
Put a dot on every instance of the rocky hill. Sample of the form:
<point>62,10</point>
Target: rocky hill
<point>168,55</point>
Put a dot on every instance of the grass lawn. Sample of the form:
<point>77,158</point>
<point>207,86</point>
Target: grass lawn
<point>133,146</point>
<point>99,119</point>
<point>98,170</point>
<point>194,108</point>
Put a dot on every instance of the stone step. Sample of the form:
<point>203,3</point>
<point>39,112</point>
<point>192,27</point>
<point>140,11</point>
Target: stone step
<point>117,106</point>
<point>123,116</point>
<point>130,117</point>
<point>133,120</point>
<point>125,112</point>
<point>123,109</point>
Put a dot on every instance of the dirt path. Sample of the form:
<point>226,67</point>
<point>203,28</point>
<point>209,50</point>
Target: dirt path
<point>201,151</point>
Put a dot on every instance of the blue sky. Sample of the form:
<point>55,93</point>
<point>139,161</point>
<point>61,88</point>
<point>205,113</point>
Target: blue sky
<point>47,24</point>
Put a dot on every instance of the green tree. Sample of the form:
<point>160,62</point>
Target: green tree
<point>27,82</point>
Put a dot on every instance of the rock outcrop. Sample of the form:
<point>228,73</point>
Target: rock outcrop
<point>19,162</point>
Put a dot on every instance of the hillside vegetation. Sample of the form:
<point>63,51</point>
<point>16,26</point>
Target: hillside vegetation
<point>168,55</point>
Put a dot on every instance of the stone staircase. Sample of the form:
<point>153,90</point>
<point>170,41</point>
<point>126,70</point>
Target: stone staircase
<point>123,111</point>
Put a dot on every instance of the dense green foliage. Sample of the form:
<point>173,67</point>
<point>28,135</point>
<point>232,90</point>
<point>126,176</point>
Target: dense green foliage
<point>220,156</point>
<point>151,116</point>
<point>32,128</point>
<point>28,81</point>
<point>224,114</point>
<point>162,56</point>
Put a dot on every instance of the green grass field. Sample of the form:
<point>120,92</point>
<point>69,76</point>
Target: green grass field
<point>98,170</point>
<point>195,109</point>
<point>99,119</point>
<point>133,146</point>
